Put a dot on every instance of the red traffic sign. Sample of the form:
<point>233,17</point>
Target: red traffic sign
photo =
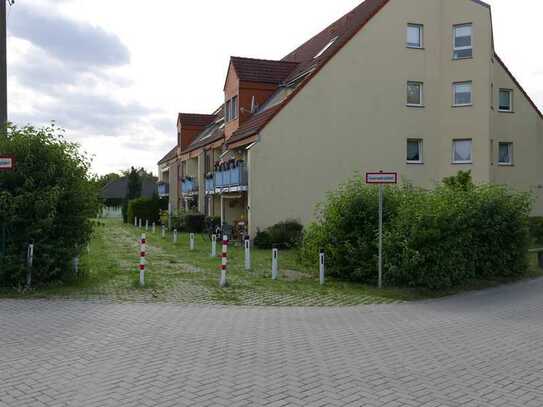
<point>379,178</point>
<point>7,162</point>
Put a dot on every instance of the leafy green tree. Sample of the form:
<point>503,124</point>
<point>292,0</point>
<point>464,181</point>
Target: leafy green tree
<point>462,181</point>
<point>48,200</point>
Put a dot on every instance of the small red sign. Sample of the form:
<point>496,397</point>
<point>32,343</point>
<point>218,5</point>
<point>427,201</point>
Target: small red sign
<point>7,162</point>
<point>381,178</point>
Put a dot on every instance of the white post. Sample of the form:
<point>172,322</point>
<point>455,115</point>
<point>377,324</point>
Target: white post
<point>142,260</point>
<point>135,222</point>
<point>275,266</point>
<point>163,231</point>
<point>247,253</point>
<point>175,235</point>
<point>75,263</point>
<point>29,262</point>
<point>147,225</point>
<point>381,236</point>
<point>140,223</point>
<point>321,263</point>
<point>224,264</point>
<point>154,227</point>
<point>192,242</point>
<point>214,246</point>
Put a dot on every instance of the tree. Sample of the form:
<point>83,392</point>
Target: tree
<point>48,200</point>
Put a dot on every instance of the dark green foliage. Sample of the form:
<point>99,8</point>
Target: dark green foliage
<point>135,184</point>
<point>146,209</point>
<point>48,200</point>
<point>433,239</point>
<point>459,182</point>
<point>536,230</point>
<point>263,240</point>
<point>347,231</point>
<point>283,235</point>
<point>194,223</point>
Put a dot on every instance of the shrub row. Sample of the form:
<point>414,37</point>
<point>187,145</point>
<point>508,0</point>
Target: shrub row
<point>283,235</point>
<point>536,230</point>
<point>433,239</point>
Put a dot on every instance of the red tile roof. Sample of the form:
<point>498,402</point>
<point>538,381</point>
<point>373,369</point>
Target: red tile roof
<point>262,70</point>
<point>195,119</point>
<point>254,124</point>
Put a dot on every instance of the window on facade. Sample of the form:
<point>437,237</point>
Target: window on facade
<point>414,94</point>
<point>462,94</point>
<point>414,35</point>
<point>234,107</point>
<point>506,100</point>
<point>505,153</point>
<point>414,151</point>
<point>463,47</point>
<point>462,151</point>
<point>227,111</point>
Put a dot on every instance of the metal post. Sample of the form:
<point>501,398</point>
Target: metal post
<point>154,227</point>
<point>135,222</point>
<point>175,235</point>
<point>247,253</point>
<point>75,264</point>
<point>147,225</point>
<point>224,264</point>
<point>163,231</point>
<point>140,223</point>
<point>3,66</point>
<point>321,266</point>
<point>381,235</point>
<point>214,246</point>
<point>275,265</point>
<point>192,242</point>
<point>29,261</point>
<point>142,260</point>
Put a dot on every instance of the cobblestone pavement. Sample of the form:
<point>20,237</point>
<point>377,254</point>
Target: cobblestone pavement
<point>480,349</point>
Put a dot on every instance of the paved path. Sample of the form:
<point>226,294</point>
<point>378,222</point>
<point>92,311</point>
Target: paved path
<point>483,349</point>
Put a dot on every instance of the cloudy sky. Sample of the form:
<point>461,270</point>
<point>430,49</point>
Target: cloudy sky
<point>115,73</point>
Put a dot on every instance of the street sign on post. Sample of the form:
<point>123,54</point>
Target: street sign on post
<point>7,163</point>
<point>381,178</point>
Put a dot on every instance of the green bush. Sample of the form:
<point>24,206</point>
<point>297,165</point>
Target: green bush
<point>536,229</point>
<point>194,223</point>
<point>212,223</point>
<point>48,200</point>
<point>432,239</point>
<point>146,209</point>
<point>263,240</point>
<point>286,235</point>
<point>347,230</point>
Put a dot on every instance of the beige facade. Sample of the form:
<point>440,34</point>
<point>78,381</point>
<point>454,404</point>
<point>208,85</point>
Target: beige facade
<point>322,119</point>
<point>352,116</point>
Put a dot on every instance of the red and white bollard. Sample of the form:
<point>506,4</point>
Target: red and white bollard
<point>142,260</point>
<point>224,264</point>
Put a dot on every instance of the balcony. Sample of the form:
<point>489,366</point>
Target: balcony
<point>189,186</point>
<point>234,179</point>
<point>163,189</point>
<point>210,185</point>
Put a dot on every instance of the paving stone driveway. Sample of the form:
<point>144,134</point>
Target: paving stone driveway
<point>482,349</point>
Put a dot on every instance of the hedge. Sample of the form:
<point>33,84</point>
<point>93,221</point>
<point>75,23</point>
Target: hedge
<point>283,235</point>
<point>433,239</point>
<point>536,230</point>
<point>146,209</point>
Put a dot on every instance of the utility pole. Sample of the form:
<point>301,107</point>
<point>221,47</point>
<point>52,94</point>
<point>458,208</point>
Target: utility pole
<point>3,65</point>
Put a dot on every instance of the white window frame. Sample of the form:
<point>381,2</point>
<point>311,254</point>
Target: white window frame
<point>421,94</point>
<point>420,27</point>
<point>511,151</point>
<point>510,91</point>
<point>455,48</point>
<point>419,141</point>
<point>455,84</point>
<point>454,161</point>
<point>234,108</point>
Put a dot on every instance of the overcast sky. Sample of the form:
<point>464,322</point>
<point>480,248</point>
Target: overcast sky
<point>116,73</point>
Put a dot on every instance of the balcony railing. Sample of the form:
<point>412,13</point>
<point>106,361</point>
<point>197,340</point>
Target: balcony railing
<point>210,185</point>
<point>189,186</point>
<point>236,177</point>
<point>163,189</point>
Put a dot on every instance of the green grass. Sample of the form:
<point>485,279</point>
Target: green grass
<point>109,271</point>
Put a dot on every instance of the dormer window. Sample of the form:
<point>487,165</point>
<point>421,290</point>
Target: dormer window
<point>322,51</point>
<point>231,109</point>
